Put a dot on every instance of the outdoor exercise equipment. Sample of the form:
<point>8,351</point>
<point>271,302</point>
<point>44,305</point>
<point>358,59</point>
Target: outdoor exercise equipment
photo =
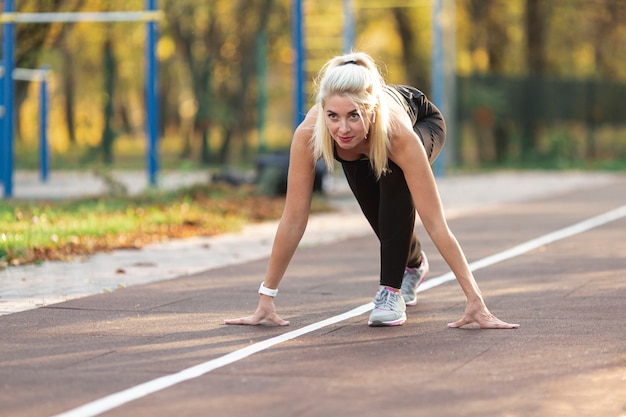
<point>10,17</point>
<point>442,59</point>
<point>41,76</point>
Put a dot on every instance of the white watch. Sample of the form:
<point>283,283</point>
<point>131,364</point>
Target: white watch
<point>267,291</point>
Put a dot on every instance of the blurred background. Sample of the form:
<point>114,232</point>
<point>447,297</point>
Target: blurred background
<point>536,83</point>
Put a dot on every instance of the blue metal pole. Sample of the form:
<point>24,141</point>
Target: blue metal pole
<point>348,26</point>
<point>44,157</point>
<point>152,108</point>
<point>438,86</point>
<point>298,65</point>
<point>449,60</point>
<point>261,62</point>
<point>8,48</point>
<point>2,118</point>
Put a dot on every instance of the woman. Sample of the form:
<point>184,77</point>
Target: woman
<point>385,138</point>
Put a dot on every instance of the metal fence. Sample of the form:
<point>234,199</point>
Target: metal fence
<point>503,118</point>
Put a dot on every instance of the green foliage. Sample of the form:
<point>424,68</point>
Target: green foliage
<point>36,231</point>
<point>539,120</point>
<point>209,82</point>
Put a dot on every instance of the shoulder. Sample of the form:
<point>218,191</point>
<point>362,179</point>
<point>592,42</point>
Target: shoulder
<point>302,137</point>
<point>399,118</point>
<point>305,128</point>
<point>401,132</point>
<point>309,119</point>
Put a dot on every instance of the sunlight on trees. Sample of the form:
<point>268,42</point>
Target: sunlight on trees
<point>208,75</point>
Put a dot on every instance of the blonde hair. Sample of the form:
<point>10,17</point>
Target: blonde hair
<point>356,77</point>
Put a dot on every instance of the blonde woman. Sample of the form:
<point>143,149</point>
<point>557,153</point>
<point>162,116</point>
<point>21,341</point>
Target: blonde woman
<point>385,138</point>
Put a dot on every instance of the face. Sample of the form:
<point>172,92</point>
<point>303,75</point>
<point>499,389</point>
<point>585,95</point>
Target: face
<point>345,122</point>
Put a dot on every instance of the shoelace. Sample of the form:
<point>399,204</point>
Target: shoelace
<point>385,299</point>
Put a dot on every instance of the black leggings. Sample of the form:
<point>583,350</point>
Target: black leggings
<point>389,209</point>
<point>388,205</point>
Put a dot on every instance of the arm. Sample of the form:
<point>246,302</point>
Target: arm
<point>292,223</point>
<point>409,154</point>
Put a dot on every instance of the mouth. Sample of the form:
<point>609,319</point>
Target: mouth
<point>344,139</point>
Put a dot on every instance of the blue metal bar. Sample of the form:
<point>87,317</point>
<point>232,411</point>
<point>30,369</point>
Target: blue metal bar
<point>297,33</point>
<point>2,114</point>
<point>438,86</point>
<point>261,63</point>
<point>44,156</point>
<point>348,26</point>
<point>8,50</point>
<point>8,18</point>
<point>152,110</point>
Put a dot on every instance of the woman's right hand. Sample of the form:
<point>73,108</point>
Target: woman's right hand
<point>265,313</point>
<point>476,312</point>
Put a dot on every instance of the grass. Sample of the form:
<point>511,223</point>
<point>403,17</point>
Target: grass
<point>33,232</point>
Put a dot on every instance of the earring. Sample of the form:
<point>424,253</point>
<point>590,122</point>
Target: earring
<point>374,118</point>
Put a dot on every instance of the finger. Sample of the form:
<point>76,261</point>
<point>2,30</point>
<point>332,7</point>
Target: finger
<point>252,321</point>
<point>243,320</point>
<point>274,319</point>
<point>492,322</point>
<point>277,320</point>
<point>498,324</point>
<point>460,323</point>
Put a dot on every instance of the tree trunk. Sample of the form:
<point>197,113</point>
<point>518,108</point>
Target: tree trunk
<point>68,93</point>
<point>202,122</point>
<point>414,69</point>
<point>535,58</point>
<point>535,34</point>
<point>108,135</point>
<point>240,100</point>
<point>222,155</point>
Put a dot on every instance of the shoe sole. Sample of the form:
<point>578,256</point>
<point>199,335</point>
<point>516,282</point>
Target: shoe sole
<point>378,323</point>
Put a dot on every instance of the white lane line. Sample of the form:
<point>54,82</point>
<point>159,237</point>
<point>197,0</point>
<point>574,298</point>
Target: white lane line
<point>122,397</point>
<point>518,250</point>
<point>109,402</point>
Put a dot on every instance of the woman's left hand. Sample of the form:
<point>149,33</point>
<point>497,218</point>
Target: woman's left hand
<point>478,314</point>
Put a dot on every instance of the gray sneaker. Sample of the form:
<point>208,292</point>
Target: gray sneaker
<point>389,309</point>
<point>412,279</point>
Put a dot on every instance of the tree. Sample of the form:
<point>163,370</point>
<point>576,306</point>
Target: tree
<point>414,62</point>
<point>535,59</point>
<point>30,38</point>
<point>535,36</point>
<point>194,30</point>
<point>108,134</point>
<point>215,42</point>
<point>242,94</point>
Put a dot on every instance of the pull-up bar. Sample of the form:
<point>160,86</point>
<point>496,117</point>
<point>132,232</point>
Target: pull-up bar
<point>73,17</point>
<point>41,76</point>
<point>10,17</point>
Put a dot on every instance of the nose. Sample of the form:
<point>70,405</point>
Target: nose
<point>344,126</point>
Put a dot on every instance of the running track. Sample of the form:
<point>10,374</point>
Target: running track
<point>557,266</point>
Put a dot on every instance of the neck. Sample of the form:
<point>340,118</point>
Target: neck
<point>362,149</point>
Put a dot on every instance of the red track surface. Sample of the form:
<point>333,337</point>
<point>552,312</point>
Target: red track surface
<point>567,359</point>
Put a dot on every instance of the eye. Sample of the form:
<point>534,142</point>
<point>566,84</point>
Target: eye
<point>332,116</point>
<point>354,116</point>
